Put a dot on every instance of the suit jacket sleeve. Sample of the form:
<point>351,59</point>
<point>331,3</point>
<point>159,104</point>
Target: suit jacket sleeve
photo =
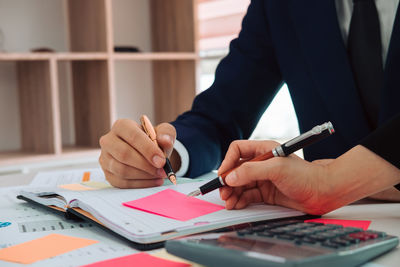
<point>246,81</point>
<point>384,141</point>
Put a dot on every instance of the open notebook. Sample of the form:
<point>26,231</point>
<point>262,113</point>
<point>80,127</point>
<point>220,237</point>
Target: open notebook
<point>104,206</point>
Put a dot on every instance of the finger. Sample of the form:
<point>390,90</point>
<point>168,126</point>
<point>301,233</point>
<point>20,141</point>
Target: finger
<point>323,161</point>
<point>125,183</point>
<point>257,171</point>
<point>128,156</point>
<point>244,149</point>
<point>166,135</point>
<point>225,192</point>
<point>248,197</point>
<point>131,133</point>
<point>128,172</point>
<point>233,198</point>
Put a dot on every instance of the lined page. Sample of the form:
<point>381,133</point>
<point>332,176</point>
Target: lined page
<point>106,205</point>
<point>139,226</point>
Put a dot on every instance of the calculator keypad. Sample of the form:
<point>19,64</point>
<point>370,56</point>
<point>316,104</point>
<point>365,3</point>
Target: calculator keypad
<point>301,233</point>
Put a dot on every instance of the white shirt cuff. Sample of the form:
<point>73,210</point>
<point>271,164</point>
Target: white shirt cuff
<point>184,154</point>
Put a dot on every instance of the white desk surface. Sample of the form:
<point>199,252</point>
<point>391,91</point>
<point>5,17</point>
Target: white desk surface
<point>384,216</point>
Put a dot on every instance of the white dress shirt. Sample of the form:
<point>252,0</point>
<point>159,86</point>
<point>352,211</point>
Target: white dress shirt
<point>386,11</point>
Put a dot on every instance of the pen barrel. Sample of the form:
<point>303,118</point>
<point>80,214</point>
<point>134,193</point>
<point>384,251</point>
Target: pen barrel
<point>168,168</point>
<point>212,185</point>
<point>314,135</point>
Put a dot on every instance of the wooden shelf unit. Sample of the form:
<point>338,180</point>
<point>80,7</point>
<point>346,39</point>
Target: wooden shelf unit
<point>91,61</point>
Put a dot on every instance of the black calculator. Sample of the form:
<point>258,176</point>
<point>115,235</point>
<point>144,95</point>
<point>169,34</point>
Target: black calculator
<point>285,243</point>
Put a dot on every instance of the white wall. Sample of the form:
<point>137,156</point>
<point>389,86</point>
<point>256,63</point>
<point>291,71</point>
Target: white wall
<point>24,25</point>
<point>131,26</point>
<point>131,23</point>
<point>28,24</point>
<point>9,111</point>
<point>134,90</point>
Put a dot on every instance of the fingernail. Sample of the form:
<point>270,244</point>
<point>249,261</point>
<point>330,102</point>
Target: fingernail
<point>231,178</point>
<point>161,173</point>
<point>158,161</point>
<point>167,138</point>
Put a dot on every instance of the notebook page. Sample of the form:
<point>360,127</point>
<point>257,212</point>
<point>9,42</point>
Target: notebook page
<point>106,205</point>
<point>50,196</point>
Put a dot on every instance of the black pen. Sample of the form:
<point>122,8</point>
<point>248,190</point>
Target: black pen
<point>151,133</point>
<point>315,134</point>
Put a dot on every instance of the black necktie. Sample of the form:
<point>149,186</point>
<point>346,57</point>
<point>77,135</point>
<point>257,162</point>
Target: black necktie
<point>365,54</point>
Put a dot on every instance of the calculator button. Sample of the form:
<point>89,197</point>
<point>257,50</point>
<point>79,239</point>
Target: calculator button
<point>363,236</point>
<point>259,228</point>
<point>245,232</point>
<point>350,230</point>
<point>341,242</point>
<point>380,234</point>
<point>351,239</point>
<point>333,226</point>
<point>299,226</point>
<point>265,234</point>
<point>297,234</point>
<point>330,244</point>
<point>328,234</point>
<point>318,237</point>
<point>277,231</point>
<point>339,232</point>
<point>286,236</point>
<point>298,241</point>
<point>308,240</point>
<point>320,228</point>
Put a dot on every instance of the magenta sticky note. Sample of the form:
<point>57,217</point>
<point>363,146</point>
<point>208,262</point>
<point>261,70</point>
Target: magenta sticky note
<point>345,223</point>
<point>139,259</point>
<point>172,204</point>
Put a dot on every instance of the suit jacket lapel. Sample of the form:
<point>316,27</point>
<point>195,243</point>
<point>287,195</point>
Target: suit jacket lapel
<point>321,40</point>
<point>391,92</point>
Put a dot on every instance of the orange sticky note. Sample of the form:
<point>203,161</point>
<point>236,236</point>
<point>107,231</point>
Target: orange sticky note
<point>345,223</point>
<point>43,248</point>
<point>86,177</point>
<point>172,204</point>
<point>76,187</point>
<point>139,259</point>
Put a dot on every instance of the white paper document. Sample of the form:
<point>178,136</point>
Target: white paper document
<point>106,206</point>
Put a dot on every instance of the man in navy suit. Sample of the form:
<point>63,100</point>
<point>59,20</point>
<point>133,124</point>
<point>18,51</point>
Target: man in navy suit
<point>324,51</point>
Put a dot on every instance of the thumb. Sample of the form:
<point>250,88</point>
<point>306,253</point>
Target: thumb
<point>166,135</point>
<point>248,172</point>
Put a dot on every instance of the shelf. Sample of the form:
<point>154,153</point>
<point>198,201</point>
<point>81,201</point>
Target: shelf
<point>156,56</point>
<point>56,56</point>
<point>25,56</point>
<point>9,158</point>
<point>69,151</point>
<point>62,102</point>
<point>64,56</point>
<point>17,157</point>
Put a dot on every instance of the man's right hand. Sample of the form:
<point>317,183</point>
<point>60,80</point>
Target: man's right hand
<point>130,159</point>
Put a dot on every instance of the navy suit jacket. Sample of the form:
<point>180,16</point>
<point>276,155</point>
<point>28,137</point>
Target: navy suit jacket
<point>299,43</point>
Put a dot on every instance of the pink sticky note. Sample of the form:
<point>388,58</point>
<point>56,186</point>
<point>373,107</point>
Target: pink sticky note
<point>345,223</point>
<point>140,259</point>
<point>174,205</point>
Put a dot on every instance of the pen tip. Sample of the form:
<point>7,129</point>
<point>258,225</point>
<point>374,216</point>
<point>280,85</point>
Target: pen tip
<point>172,178</point>
<point>195,193</point>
